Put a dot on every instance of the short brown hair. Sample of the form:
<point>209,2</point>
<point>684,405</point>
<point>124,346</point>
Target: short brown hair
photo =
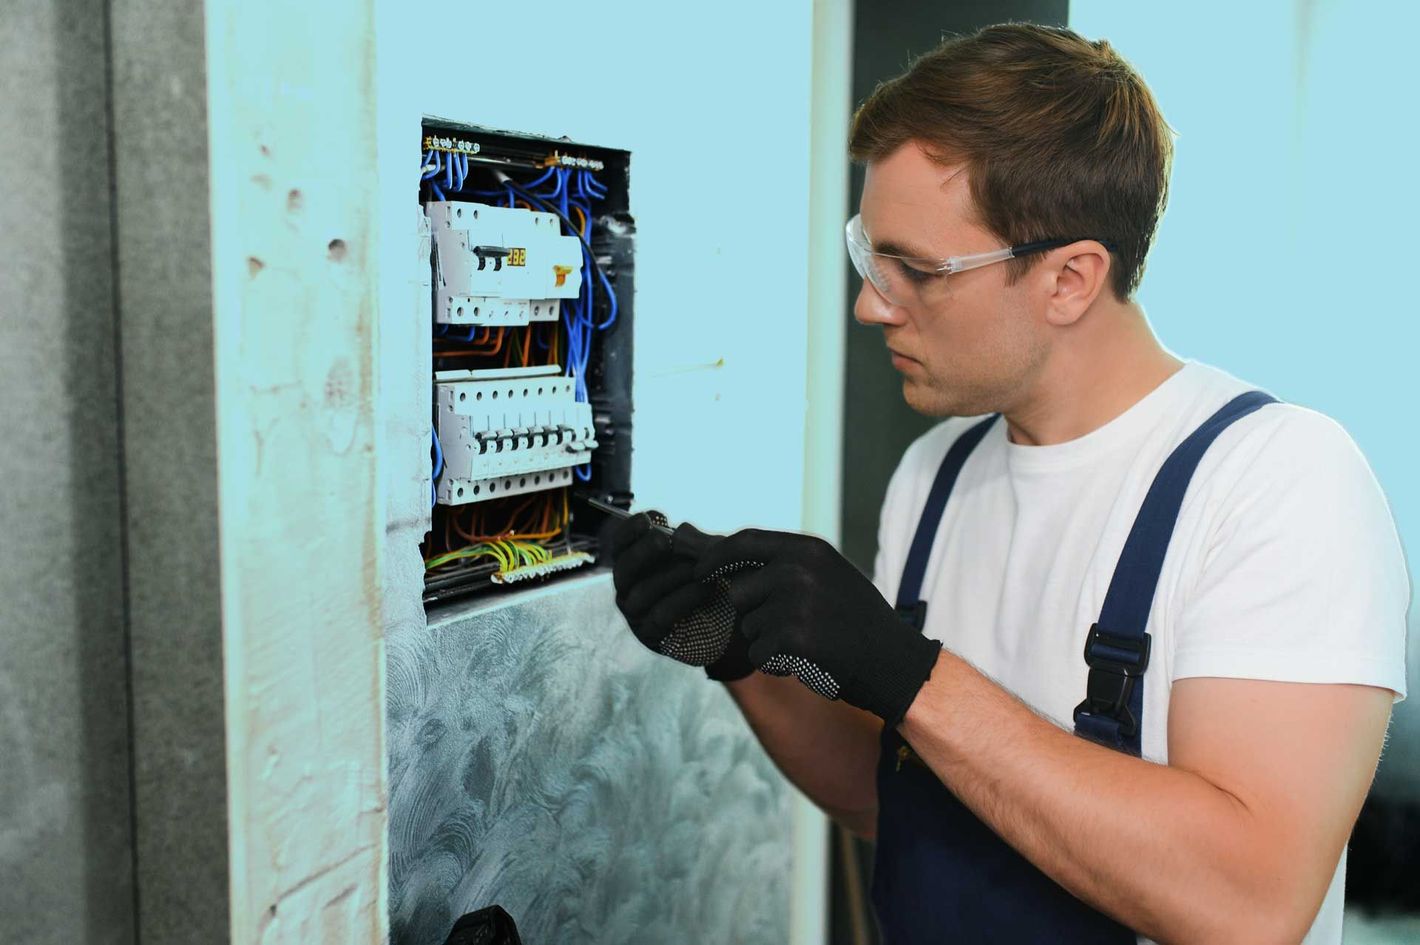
<point>1061,138</point>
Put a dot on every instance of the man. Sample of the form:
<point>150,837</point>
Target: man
<point>1228,563</point>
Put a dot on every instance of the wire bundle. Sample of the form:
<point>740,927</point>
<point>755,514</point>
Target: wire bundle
<point>452,167</point>
<point>537,520</point>
<point>510,553</point>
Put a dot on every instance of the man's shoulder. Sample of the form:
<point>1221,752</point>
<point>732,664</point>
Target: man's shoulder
<point>1289,441</point>
<point>1279,429</point>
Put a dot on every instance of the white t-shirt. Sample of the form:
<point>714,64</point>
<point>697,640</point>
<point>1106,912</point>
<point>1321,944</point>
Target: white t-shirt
<point>1284,565</point>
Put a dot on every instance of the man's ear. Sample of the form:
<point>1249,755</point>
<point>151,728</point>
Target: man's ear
<point>1075,276</point>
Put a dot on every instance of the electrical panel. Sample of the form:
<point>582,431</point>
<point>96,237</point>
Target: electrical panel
<point>530,316</point>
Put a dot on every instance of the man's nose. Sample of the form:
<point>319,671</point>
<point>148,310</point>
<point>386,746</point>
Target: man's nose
<point>871,308</point>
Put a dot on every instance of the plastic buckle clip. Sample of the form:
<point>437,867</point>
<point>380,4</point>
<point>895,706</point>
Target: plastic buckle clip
<point>914,614</point>
<point>1115,663</point>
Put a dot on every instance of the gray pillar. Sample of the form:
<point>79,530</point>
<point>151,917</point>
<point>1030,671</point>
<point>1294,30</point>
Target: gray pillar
<point>169,450</point>
<point>65,838</point>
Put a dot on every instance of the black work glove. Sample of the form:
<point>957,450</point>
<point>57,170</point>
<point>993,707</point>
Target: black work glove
<point>809,611</point>
<point>669,609</point>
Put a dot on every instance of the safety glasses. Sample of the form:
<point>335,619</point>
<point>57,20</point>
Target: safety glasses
<point>903,279</point>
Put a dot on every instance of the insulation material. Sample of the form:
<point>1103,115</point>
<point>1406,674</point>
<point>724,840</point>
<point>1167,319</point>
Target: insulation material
<point>598,792</point>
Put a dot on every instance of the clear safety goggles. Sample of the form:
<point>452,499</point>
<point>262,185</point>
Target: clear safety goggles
<point>903,279</point>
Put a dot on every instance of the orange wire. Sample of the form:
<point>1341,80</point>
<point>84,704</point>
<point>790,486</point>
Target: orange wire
<point>480,347</point>
<point>545,528</point>
<point>483,346</point>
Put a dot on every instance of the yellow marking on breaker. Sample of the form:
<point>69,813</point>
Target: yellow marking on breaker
<point>517,256</point>
<point>562,272</point>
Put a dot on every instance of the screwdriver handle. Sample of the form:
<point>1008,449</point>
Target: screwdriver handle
<point>687,541</point>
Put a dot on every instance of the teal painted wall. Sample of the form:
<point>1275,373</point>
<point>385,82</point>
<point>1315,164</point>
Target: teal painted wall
<point>1286,255</point>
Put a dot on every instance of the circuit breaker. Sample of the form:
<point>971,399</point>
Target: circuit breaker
<point>499,266</point>
<point>508,432</point>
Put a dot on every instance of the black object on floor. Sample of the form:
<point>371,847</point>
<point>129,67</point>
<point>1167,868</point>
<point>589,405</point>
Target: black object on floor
<point>488,926</point>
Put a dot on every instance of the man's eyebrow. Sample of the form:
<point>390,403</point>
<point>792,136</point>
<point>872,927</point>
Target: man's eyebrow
<point>894,248</point>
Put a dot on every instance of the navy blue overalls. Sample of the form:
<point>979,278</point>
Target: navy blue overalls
<point>940,874</point>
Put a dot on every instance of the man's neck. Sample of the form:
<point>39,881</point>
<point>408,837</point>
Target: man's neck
<point>1111,363</point>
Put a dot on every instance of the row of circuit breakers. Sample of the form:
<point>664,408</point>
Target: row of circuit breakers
<point>514,430</point>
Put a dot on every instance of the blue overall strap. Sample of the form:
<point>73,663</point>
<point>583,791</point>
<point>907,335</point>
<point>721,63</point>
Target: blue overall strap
<point>1117,647</point>
<point>910,605</point>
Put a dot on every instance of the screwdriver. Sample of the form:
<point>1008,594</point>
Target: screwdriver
<point>687,541</point>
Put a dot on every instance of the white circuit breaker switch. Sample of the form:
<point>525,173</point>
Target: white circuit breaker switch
<point>501,266</point>
<point>509,431</point>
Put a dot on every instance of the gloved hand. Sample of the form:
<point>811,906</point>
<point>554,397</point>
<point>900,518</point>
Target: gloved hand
<point>669,609</point>
<point>808,604</point>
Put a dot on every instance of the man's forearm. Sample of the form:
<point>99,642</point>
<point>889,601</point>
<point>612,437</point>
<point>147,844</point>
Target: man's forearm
<point>829,750</point>
<point>1159,848</point>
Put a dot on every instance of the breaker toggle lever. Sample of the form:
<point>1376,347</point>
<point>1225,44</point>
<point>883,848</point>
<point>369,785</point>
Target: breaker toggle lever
<point>495,253</point>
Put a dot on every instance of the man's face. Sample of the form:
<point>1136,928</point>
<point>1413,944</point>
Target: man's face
<point>968,344</point>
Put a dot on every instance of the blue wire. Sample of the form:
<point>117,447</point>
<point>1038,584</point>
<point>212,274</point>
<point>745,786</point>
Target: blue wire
<point>560,180</point>
<point>611,318</point>
<point>436,191</point>
<point>449,173</point>
<point>431,158</point>
<point>541,180</point>
<point>438,469</point>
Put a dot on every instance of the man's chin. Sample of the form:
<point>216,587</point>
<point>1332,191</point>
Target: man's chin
<point>924,399</point>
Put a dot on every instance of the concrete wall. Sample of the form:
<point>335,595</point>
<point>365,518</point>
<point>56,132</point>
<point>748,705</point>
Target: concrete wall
<point>65,837</point>
<point>111,701</point>
<point>163,258</point>
<point>124,626</point>
<point>294,317</point>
